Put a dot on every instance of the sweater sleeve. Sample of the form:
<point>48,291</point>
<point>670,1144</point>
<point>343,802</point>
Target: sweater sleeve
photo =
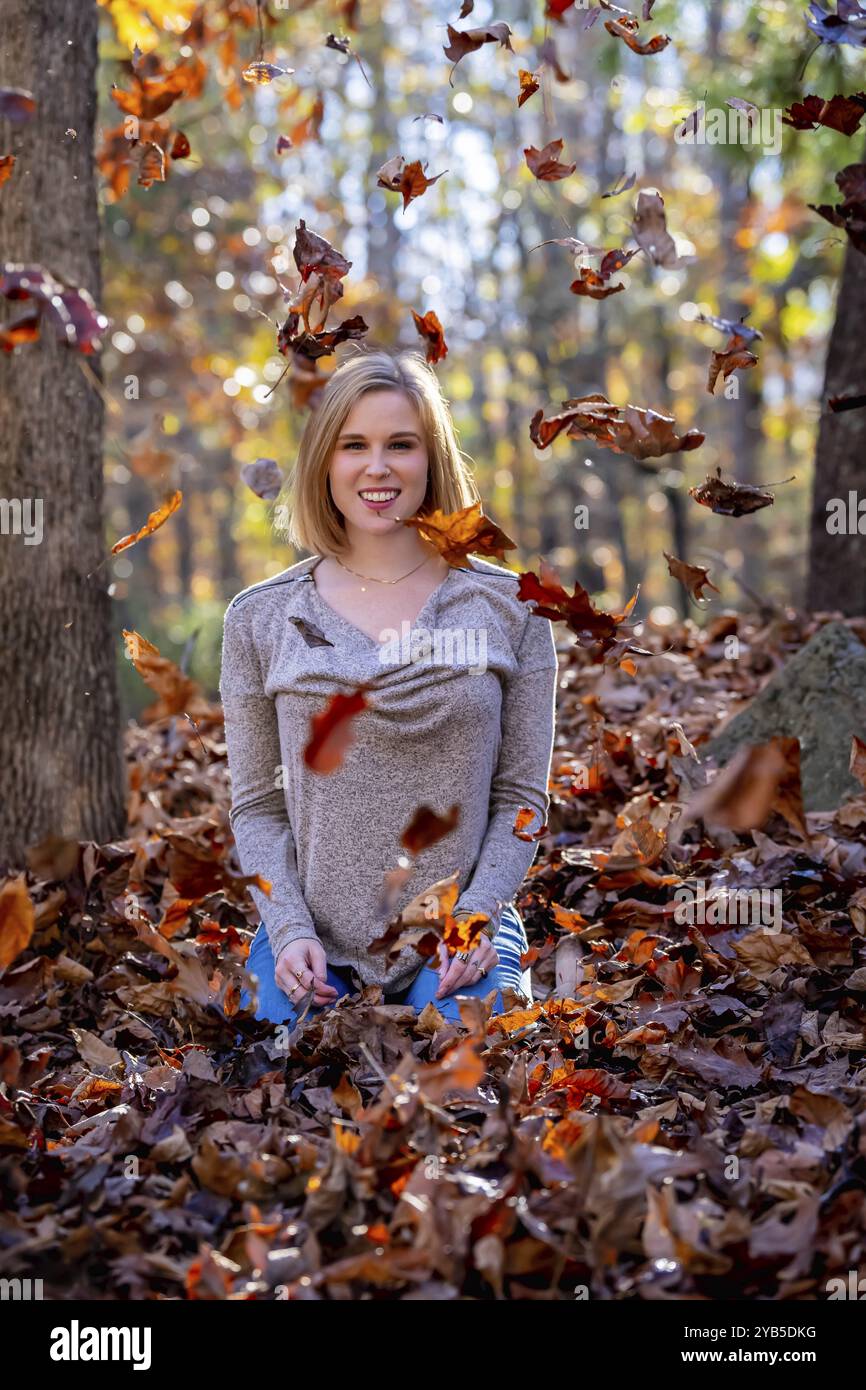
<point>521,776</point>
<point>258,816</point>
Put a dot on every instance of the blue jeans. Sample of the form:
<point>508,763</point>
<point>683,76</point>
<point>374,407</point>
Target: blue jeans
<point>510,942</point>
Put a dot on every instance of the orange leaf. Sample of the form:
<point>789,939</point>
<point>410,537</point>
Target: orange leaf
<point>153,523</point>
<point>17,920</point>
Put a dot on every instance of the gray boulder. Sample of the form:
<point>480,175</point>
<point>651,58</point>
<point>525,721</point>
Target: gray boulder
<point>820,698</point>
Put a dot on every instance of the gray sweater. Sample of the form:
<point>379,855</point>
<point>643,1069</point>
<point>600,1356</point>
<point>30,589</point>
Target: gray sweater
<point>462,715</point>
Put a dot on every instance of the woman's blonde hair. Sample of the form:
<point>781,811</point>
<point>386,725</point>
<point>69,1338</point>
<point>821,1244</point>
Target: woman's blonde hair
<point>305,512</point>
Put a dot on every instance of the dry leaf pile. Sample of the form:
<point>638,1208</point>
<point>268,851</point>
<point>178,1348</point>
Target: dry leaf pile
<point>680,1116</point>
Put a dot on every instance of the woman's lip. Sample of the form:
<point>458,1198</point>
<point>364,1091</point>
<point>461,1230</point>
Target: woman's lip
<point>379,506</point>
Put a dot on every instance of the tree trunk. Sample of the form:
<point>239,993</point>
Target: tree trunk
<point>837,563</point>
<point>60,723</point>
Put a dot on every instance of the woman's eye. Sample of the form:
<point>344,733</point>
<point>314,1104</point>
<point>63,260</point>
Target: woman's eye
<point>396,444</point>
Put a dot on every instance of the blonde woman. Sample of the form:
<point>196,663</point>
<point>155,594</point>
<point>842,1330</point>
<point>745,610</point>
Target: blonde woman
<point>460,711</point>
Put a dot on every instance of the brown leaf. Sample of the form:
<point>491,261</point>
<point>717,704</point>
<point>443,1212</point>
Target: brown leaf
<point>759,779</point>
<point>331,732</point>
<point>762,952</point>
<point>726,362</point>
<point>730,499</point>
<point>857,762</point>
<point>545,164</point>
<point>836,113</point>
<point>408,179</point>
<point>456,535</point>
<point>463,41</point>
<point>650,231</point>
<point>629,429</point>
<point>17,919</point>
<point>695,577</point>
<point>593,628</point>
<point>626,30</point>
<point>177,692</point>
<point>426,828</point>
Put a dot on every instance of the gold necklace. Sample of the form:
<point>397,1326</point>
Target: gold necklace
<point>373,578</point>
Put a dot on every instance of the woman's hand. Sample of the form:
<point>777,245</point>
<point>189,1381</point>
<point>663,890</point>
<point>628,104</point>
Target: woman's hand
<point>454,972</point>
<point>302,966</point>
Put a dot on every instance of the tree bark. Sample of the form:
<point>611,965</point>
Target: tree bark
<point>837,563</point>
<point>60,745</point>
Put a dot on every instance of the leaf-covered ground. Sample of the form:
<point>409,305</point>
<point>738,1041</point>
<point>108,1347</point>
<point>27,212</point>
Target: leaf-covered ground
<point>680,1117</point>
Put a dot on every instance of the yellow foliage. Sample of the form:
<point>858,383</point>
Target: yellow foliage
<point>139,22</point>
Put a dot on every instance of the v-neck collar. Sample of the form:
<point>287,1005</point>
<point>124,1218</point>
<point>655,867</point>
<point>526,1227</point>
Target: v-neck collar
<point>430,602</point>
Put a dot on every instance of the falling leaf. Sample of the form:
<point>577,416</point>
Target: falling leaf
<point>838,113</point>
<point>17,920</point>
<point>427,828</point>
<point>622,186</point>
<point>264,478</point>
<point>759,779</point>
<point>458,534</point>
<point>7,164</point>
<point>637,846</point>
<point>331,732</point>
<point>726,362</point>
<point>629,429</point>
<point>430,328</point>
<point>846,26</point>
<point>594,629</point>
<point>730,499</point>
<point>154,521</point>
<point>850,214</point>
<point>688,128</point>
<point>151,166</point>
<point>177,692</point>
<point>545,165</point>
<point>528,85</point>
<point>525,816</point>
<point>16,104</point>
<point>260,74</point>
<point>408,179</point>
<point>69,310</point>
<point>650,231</point>
<point>857,762</point>
<point>695,577</point>
<point>463,41</point>
<point>626,29</point>
<point>846,402</point>
<point>590,284</point>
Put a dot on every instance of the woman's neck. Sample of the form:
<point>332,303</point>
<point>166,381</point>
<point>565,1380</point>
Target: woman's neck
<point>386,557</point>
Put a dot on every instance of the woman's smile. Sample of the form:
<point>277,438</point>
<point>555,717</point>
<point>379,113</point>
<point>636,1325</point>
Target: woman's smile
<point>377,499</point>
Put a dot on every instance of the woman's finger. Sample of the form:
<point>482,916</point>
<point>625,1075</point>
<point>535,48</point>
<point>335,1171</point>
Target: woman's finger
<point>458,974</point>
<point>444,961</point>
<point>467,972</point>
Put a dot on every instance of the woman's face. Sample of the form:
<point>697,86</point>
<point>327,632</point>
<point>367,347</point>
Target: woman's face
<point>378,471</point>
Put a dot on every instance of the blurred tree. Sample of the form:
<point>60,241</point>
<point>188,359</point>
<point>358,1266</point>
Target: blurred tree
<point>837,572</point>
<point>60,731</point>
